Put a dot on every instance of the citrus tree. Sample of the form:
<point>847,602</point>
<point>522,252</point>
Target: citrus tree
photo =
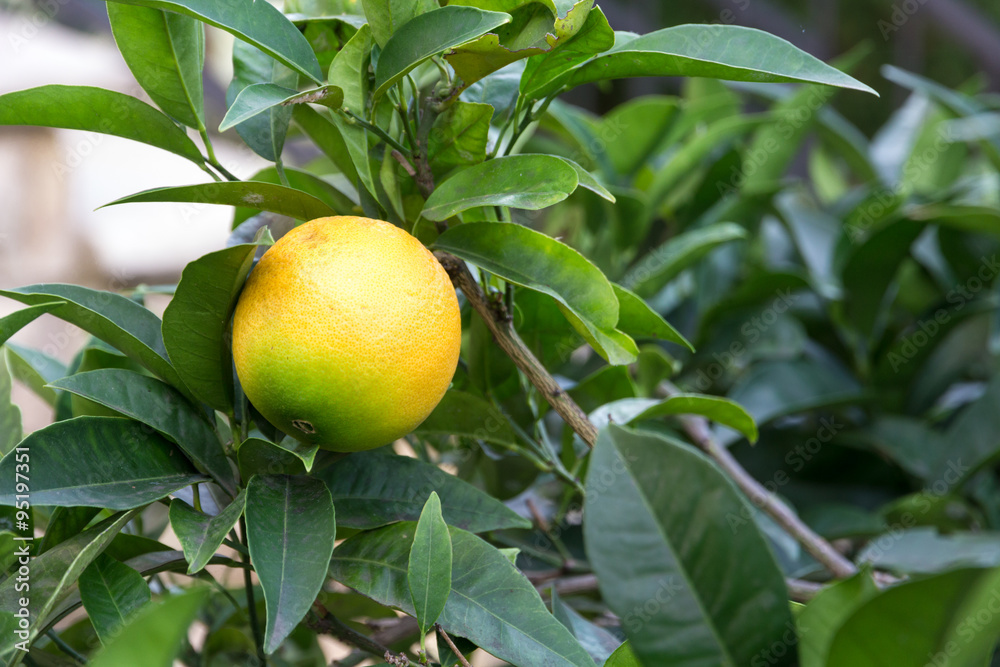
<point>564,502</point>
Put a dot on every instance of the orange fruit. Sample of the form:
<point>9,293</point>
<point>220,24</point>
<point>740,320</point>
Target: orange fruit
<point>347,333</point>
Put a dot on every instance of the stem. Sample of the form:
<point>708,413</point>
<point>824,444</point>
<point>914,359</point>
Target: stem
<point>279,166</point>
<point>329,624</point>
<point>196,496</point>
<point>502,328</point>
<point>451,645</point>
<point>212,160</point>
<point>258,636</point>
<point>66,648</point>
<point>378,131</point>
<point>697,429</point>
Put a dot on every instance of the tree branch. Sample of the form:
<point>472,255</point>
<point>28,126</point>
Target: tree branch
<point>328,624</point>
<point>697,429</point>
<point>451,645</point>
<point>502,328</point>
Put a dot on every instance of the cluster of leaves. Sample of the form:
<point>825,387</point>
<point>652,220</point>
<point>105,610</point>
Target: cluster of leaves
<point>445,121</point>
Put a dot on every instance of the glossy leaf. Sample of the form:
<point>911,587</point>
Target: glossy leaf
<point>112,593</point>
<point>200,535</point>
<point>459,135</point>
<point>290,530</point>
<point>260,24</point>
<point>387,16</point>
<point>594,36</point>
<point>588,181</point>
<point>349,69</point>
<point>531,259</point>
<point>17,320</point>
<point>166,53</point>
<point>427,35</point>
<point>491,603</point>
<point>116,320</point>
<point>428,572</point>
<point>159,406</point>
<point>117,463</point>
<point>662,264</point>
<point>10,414</point>
<point>257,98</point>
<point>196,322</point>
<point>96,110</point>
<point>262,457</point>
<point>638,320</point>
<point>55,571</point>
<point>915,621</point>
<point>527,182</point>
<point>260,196</point>
<point>656,530</point>
<point>371,489</point>
<point>265,133</point>
<point>155,636</point>
<point>714,408</point>
<point>717,51</point>
<point>36,370</point>
<point>825,613</point>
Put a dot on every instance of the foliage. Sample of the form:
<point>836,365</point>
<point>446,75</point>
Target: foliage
<point>844,322</point>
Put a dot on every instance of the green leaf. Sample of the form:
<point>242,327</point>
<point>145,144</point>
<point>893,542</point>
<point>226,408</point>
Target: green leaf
<point>200,535</point>
<point>531,259</point>
<point>715,51</point>
<point>96,110</point>
<point>663,263</point>
<point>56,570</point>
<point>623,656</point>
<point>36,370</point>
<point>290,531</point>
<point>427,35</point>
<point>544,70</point>
<point>10,414</point>
<point>166,53</point>
<point>459,136</point>
<point>387,16</point>
<point>924,551</point>
<point>529,182</point>
<point>112,593</point>
<point>288,457</point>
<point>616,347</point>
<point>258,23</point>
<point>657,533</point>
<point>257,98</point>
<point>116,463</point>
<point>597,641</point>
<point>159,406</point>
<point>819,621</point>
<point>466,415</point>
<point>349,69</point>
<point>113,318</point>
<point>588,181</point>
<point>17,320</point>
<point>64,523</point>
<point>638,320</point>
<point>972,442</point>
<point>428,572</point>
<point>259,196</point>
<point>196,322</point>
<point>265,133</point>
<point>923,620</point>
<point>371,489</point>
<point>491,603</point>
<point>155,636</point>
<point>715,408</point>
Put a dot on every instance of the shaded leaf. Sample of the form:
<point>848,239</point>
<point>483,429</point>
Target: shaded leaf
<point>259,196</point>
<point>19,319</point>
<point>597,641</point>
<point>200,535</point>
<point>428,572</point>
<point>36,370</point>
<point>257,98</point>
<point>637,319</point>
<point>825,613</point>
<point>112,593</point>
<point>387,16</point>
<point>264,133</point>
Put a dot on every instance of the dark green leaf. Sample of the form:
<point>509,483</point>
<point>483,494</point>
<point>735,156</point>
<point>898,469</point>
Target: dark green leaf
<point>519,181</point>
<point>657,268</point>
<point>258,23</point>
<point>717,409</point>
<point>261,457</point>
<point>638,320</point>
<point>17,320</point>
<point>823,616</point>
<point>196,322</point>
<point>428,572</point>
<point>260,196</point>
<point>716,51</point>
<point>491,602</point>
<point>542,70</point>
<point>200,535</point>
<point>371,489</point>
<point>657,533</point>
<point>36,370</point>
<point>921,621</point>
<point>257,98</point>
<point>112,593</point>
<point>55,571</point>
<point>466,415</point>
<point>924,551</point>
<point>155,636</point>
<point>64,523</point>
<point>265,133</point>
<point>116,463</point>
<point>290,530</point>
<point>459,135</point>
<point>159,406</point>
<point>427,35</point>
<point>972,438</point>
<point>111,317</point>
<point>387,16</point>
<point>10,414</point>
<point>597,641</point>
<point>96,110</point>
<point>166,53</point>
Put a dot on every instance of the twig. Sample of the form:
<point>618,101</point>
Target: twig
<point>798,589</point>
<point>329,624</point>
<point>66,648</point>
<point>506,336</point>
<point>451,645</point>
<point>258,636</point>
<point>698,430</point>
<point>801,590</point>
